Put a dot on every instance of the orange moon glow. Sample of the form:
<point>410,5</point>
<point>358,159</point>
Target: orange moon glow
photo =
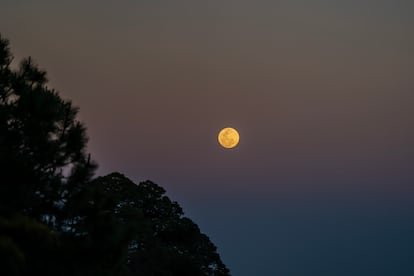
<point>228,137</point>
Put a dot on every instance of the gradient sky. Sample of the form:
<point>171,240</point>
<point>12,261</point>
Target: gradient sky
<point>322,93</point>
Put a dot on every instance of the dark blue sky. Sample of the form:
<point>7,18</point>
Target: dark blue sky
<point>322,93</point>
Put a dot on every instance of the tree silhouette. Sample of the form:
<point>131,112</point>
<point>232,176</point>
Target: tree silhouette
<point>55,219</point>
<point>159,239</point>
<point>39,139</point>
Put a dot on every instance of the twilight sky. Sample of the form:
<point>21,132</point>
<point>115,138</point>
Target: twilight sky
<point>321,92</point>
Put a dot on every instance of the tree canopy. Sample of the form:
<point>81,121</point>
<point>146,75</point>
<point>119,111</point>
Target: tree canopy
<point>57,218</point>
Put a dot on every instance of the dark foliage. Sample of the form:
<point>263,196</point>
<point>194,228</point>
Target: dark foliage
<point>55,219</point>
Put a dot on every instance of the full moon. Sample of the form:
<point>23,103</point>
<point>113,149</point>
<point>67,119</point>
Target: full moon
<point>228,137</point>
